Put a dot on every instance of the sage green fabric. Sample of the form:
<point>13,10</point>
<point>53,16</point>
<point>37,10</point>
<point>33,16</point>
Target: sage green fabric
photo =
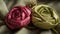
<point>44,16</point>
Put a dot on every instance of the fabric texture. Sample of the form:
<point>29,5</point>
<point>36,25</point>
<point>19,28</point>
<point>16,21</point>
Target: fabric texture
<point>6,5</point>
<point>44,16</point>
<point>18,17</point>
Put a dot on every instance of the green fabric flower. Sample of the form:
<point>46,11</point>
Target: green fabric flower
<point>44,16</point>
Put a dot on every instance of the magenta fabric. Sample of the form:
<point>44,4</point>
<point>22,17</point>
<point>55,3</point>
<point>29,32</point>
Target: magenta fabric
<point>18,17</point>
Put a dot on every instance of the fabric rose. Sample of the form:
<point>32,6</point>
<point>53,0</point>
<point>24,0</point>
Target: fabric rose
<point>18,17</point>
<point>44,16</point>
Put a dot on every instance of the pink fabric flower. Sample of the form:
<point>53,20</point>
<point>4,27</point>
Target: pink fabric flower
<point>18,17</point>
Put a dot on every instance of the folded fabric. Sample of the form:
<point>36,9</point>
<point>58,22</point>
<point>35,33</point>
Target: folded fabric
<point>3,9</point>
<point>44,16</point>
<point>18,17</point>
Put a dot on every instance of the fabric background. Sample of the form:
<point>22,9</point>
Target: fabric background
<point>6,5</point>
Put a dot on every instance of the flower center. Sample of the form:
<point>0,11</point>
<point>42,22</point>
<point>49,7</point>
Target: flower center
<point>17,13</point>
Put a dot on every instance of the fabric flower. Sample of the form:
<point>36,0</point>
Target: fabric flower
<point>18,17</point>
<point>44,16</point>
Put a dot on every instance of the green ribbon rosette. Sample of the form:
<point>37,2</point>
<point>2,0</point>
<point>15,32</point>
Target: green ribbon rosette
<point>44,16</point>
